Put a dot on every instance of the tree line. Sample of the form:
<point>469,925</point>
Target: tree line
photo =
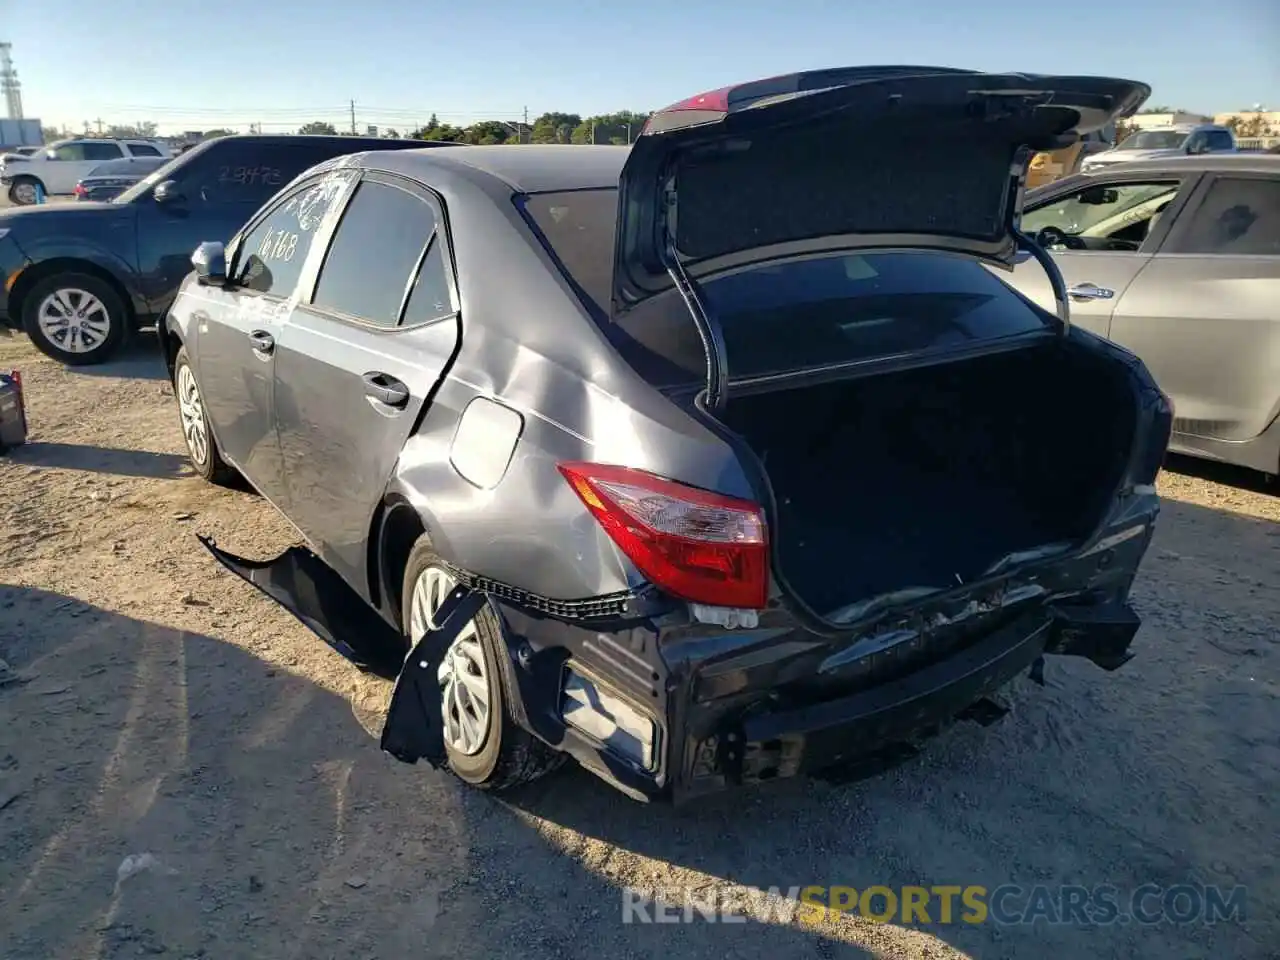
<point>611,128</point>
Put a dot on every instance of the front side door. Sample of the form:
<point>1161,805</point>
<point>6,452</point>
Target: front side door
<point>1102,236</point>
<point>236,338</point>
<point>1205,314</point>
<point>355,364</point>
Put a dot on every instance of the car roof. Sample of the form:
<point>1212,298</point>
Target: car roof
<point>525,168</point>
<point>1212,162</point>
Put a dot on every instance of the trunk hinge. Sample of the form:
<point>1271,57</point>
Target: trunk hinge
<point>414,729</point>
<point>1018,187</point>
<point>1056,281</point>
<point>704,321</point>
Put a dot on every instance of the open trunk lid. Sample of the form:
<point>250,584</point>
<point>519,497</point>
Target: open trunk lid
<point>863,157</point>
<point>907,158</point>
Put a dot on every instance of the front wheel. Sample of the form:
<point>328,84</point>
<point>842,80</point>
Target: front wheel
<point>202,448</point>
<point>75,318</point>
<point>485,748</point>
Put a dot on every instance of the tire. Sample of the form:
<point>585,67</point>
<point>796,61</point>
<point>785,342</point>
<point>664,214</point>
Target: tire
<point>55,304</point>
<point>508,756</point>
<point>22,191</point>
<point>202,448</point>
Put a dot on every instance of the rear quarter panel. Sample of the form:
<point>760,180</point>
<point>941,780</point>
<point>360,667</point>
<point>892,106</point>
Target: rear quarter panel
<point>528,344</point>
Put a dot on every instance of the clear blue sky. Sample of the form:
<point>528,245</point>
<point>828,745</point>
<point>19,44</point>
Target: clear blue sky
<point>192,65</point>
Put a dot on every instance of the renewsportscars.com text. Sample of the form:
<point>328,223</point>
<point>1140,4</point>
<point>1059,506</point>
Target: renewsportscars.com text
<point>1008,904</point>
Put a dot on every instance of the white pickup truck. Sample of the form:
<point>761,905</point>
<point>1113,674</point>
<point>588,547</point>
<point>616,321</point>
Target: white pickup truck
<point>58,167</point>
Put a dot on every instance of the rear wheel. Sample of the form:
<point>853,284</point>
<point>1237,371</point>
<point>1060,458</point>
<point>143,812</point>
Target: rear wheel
<point>75,318</point>
<point>485,748</point>
<point>22,192</point>
<point>202,448</point>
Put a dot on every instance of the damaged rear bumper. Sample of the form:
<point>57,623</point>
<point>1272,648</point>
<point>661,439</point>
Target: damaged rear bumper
<point>664,707</point>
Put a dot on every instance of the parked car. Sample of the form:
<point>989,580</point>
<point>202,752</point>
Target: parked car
<point>20,152</point>
<point>1179,140</point>
<point>746,497</point>
<point>79,278</point>
<point>58,168</point>
<point>108,180</point>
<point>1178,260</point>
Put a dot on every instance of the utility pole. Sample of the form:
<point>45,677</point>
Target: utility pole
<point>525,126</point>
<point>353,118</point>
<point>99,123</point>
<point>593,132</point>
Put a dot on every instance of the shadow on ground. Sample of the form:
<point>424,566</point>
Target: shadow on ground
<point>274,826</point>
<point>111,460</point>
<point>1224,473</point>
<point>138,359</point>
<point>289,835</point>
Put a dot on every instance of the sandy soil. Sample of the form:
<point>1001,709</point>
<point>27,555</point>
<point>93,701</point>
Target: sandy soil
<point>152,704</point>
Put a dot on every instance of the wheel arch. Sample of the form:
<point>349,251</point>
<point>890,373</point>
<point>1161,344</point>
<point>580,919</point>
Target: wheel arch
<point>397,525</point>
<point>31,276</point>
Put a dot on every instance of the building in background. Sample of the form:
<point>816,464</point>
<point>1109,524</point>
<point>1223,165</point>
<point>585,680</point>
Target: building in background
<point>1152,121</point>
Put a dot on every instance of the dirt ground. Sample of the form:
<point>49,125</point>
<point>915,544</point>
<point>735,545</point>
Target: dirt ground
<point>186,771</point>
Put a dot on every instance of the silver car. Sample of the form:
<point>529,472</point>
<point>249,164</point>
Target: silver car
<point>715,460</point>
<point>1179,261</point>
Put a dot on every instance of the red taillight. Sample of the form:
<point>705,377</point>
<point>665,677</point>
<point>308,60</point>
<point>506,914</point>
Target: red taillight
<point>699,546</point>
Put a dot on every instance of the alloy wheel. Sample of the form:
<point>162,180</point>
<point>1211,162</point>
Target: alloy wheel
<point>24,193</point>
<point>191,409</point>
<point>465,695</point>
<point>74,320</point>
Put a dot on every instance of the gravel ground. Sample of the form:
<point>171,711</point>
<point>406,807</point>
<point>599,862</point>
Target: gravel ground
<point>154,707</point>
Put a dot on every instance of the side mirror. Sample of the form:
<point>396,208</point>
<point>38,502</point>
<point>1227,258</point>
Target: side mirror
<point>167,191</point>
<point>210,262</point>
<point>1099,196</point>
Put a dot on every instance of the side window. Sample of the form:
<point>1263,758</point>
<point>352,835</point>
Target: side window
<point>1198,143</point>
<point>1238,217</point>
<point>379,239</point>
<point>271,256</point>
<point>101,150</point>
<point>1220,140</point>
<point>69,151</point>
<point>430,298</point>
<point>143,150</point>
<point>1100,216</point>
<point>251,172</point>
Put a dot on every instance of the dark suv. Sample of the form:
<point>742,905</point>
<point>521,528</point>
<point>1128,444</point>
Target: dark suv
<point>80,278</point>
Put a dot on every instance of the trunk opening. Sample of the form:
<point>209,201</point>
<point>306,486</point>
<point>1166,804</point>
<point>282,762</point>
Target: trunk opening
<point>928,477</point>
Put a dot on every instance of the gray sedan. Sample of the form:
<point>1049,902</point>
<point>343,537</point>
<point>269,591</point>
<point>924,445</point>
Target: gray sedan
<point>715,460</point>
<point>1179,261</point>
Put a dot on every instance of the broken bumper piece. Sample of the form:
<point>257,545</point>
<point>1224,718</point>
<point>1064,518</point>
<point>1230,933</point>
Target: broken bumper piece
<point>300,582</point>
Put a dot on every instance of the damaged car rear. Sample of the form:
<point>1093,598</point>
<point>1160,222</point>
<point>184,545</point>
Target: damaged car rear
<point>747,468</point>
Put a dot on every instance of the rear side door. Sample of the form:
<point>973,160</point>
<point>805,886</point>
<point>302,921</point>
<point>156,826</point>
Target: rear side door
<point>356,364</point>
<point>1100,247</point>
<point>1205,313</point>
<point>237,330</point>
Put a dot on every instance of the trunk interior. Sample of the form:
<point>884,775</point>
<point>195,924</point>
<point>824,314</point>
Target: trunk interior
<point>927,477</point>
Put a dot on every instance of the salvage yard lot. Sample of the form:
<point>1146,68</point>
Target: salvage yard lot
<point>166,708</point>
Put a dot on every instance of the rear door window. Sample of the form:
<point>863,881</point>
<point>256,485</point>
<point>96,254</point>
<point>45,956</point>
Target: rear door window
<point>376,247</point>
<point>1238,216</point>
<point>144,150</point>
<point>1220,140</point>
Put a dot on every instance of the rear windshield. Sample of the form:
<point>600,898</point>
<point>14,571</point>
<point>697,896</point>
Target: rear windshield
<point>129,166</point>
<point>785,316</point>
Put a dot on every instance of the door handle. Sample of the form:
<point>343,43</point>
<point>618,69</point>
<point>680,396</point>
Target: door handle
<point>1089,291</point>
<point>262,341</point>
<point>386,389</point>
